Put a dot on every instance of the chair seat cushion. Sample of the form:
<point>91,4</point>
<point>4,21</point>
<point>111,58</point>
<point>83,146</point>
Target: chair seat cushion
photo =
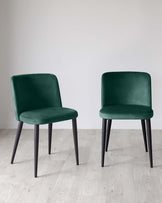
<point>126,112</point>
<point>48,115</point>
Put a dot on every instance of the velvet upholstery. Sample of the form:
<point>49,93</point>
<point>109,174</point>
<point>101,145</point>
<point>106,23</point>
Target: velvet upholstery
<point>48,115</point>
<point>37,99</point>
<point>126,112</point>
<point>126,95</point>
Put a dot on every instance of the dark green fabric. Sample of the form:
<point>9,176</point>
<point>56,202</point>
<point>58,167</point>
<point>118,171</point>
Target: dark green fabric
<point>126,112</point>
<point>48,115</point>
<point>37,92</point>
<point>126,95</point>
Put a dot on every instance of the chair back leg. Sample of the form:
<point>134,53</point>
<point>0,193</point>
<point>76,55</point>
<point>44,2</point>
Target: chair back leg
<point>144,134</point>
<point>148,122</point>
<point>108,133</point>
<point>49,137</point>
<point>75,135</point>
<point>36,146</point>
<point>104,121</point>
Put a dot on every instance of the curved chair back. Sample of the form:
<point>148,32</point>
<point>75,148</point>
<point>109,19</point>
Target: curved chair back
<point>34,91</point>
<point>129,88</point>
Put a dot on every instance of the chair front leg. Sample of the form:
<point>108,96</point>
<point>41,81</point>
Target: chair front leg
<point>20,125</point>
<point>36,146</point>
<point>108,133</point>
<point>144,134</point>
<point>49,137</point>
<point>148,121</point>
<point>75,135</point>
<point>104,121</point>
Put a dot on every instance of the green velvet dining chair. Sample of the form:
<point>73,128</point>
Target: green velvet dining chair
<point>37,101</point>
<point>125,96</point>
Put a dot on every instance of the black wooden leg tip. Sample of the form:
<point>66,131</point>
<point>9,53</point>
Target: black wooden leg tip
<point>102,165</point>
<point>35,175</point>
<point>77,162</point>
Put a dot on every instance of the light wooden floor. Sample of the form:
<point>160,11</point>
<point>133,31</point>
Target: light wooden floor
<point>126,177</point>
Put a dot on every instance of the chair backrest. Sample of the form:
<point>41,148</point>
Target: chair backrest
<point>132,88</point>
<point>34,91</point>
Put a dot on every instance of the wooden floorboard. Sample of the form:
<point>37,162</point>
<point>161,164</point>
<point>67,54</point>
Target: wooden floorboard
<point>126,177</point>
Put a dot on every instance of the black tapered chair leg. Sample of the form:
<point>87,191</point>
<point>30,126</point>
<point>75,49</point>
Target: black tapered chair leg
<point>49,137</point>
<point>36,146</point>
<point>104,121</point>
<point>144,134</point>
<point>75,135</point>
<point>20,125</point>
<point>108,133</point>
<point>148,122</point>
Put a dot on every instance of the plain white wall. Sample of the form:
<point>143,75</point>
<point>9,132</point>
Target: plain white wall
<point>78,40</point>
